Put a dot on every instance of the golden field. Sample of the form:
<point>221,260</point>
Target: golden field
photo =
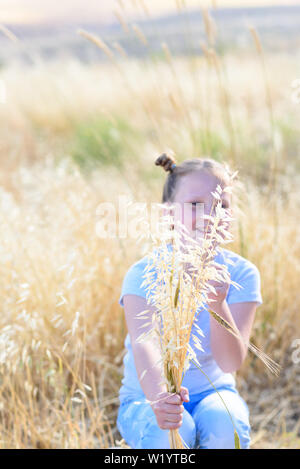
<point>73,136</point>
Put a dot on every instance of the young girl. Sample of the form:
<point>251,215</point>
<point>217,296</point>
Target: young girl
<point>147,411</point>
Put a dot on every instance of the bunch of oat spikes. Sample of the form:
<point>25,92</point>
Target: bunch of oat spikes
<point>177,278</point>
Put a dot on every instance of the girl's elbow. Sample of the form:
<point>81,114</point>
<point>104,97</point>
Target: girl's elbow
<point>231,366</point>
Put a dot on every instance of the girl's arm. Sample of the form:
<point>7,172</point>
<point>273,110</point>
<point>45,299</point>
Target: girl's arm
<point>146,354</point>
<point>229,351</point>
<point>168,408</point>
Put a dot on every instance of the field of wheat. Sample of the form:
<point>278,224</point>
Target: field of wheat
<point>73,136</point>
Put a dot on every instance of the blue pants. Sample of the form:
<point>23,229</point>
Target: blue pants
<point>206,423</point>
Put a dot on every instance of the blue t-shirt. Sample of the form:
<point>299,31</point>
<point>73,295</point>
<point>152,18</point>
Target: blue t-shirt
<point>241,271</point>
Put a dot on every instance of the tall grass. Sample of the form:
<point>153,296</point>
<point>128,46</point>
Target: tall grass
<point>61,328</point>
<point>56,388</point>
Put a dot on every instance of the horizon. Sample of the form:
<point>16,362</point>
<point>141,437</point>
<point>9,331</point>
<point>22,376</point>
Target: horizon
<point>22,12</point>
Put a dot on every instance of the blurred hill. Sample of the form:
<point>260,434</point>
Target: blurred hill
<point>278,27</point>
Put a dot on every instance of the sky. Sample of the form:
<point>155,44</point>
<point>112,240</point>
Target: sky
<point>41,11</point>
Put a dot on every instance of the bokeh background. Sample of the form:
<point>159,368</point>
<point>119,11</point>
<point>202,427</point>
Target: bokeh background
<point>90,94</point>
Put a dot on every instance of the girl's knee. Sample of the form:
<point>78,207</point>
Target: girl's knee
<point>222,436</point>
<point>131,420</point>
<point>215,428</point>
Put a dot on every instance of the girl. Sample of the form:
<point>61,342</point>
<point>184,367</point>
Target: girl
<point>147,411</point>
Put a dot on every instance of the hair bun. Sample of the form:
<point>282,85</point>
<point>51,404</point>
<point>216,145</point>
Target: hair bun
<point>166,161</point>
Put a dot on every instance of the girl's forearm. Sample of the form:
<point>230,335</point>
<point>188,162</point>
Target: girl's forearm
<point>228,351</point>
<point>146,356</point>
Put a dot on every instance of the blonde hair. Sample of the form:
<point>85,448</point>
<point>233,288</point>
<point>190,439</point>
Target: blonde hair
<point>221,171</point>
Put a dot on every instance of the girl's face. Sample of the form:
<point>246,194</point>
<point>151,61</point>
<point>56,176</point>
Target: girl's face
<point>196,188</point>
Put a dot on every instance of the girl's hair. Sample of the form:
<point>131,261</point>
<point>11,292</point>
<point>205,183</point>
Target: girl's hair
<point>220,170</point>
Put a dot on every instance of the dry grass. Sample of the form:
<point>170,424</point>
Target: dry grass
<point>61,328</point>
<point>53,266</point>
<point>59,348</point>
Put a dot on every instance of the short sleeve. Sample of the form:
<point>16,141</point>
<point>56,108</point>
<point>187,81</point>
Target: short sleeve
<point>247,275</point>
<point>132,282</point>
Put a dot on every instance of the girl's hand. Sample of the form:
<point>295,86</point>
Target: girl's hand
<point>221,294</point>
<point>168,409</point>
